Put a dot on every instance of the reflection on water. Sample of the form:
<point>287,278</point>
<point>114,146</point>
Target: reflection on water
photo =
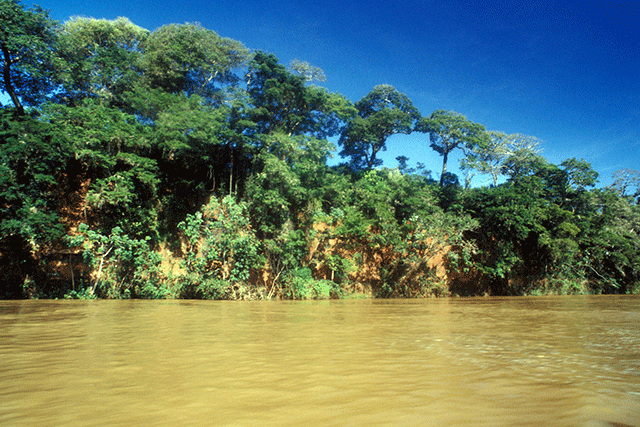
<point>565,361</point>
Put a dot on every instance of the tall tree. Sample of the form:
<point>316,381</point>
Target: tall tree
<point>308,71</point>
<point>381,113</point>
<point>626,179</point>
<point>26,48</point>
<point>449,130</point>
<point>579,173</point>
<point>192,59</point>
<point>490,158</point>
<point>98,58</point>
<point>283,103</point>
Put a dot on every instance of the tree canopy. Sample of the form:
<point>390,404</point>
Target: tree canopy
<point>27,40</point>
<point>381,113</point>
<point>449,130</point>
<point>98,58</point>
<point>191,59</point>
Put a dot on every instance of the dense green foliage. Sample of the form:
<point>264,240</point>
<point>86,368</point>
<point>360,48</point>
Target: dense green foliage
<point>178,163</point>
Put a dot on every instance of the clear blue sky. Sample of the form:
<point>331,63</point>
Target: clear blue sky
<point>567,73</point>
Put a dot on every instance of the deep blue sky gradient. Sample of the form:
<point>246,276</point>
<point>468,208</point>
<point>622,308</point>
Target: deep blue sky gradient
<point>567,73</point>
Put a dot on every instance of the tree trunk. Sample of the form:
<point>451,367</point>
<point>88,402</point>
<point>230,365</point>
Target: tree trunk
<point>445,157</point>
<point>6,74</point>
<point>231,170</point>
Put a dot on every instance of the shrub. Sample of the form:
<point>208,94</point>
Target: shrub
<point>221,249</point>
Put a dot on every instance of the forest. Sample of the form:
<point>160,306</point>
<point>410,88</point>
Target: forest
<point>177,163</point>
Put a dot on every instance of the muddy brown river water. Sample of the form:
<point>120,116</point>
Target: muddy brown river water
<point>545,361</point>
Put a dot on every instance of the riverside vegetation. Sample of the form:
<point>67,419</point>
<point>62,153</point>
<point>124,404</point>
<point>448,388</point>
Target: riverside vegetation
<point>181,164</point>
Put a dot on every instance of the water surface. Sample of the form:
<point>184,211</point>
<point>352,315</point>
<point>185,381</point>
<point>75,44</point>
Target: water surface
<point>554,361</point>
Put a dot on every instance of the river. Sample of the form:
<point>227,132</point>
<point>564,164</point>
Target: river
<point>541,361</point>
